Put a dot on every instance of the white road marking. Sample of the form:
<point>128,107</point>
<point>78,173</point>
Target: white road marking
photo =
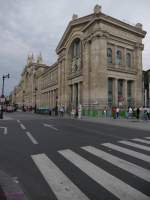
<point>33,140</point>
<point>22,126</point>
<point>50,126</point>
<point>5,130</point>
<point>128,152</point>
<point>123,164</point>
<point>147,137</point>
<point>132,144</point>
<point>18,121</point>
<point>62,186</point>
<point>117,187</point>
<point>140,140</point>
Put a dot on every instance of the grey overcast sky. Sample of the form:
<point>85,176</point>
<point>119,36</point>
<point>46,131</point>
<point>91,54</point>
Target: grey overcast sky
<point>36,26</point>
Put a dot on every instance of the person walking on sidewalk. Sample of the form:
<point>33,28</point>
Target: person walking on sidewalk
<point>73,112</point>
<point>105,112</point>
<point>117,112</point>
<point>130,112</point>
<point>138,113</point>
<point>79,111</point>
<point>62,110</point>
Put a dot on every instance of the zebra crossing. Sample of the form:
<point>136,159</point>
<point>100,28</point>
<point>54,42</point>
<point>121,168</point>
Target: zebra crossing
<point>65,189</point>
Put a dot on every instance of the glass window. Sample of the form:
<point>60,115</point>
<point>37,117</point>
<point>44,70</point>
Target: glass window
<point>109,55</point>
<point>76,48</point>
<point>120,89</point>
<point>128,59</point>
<point>118,57</point>
<point>129,88</point>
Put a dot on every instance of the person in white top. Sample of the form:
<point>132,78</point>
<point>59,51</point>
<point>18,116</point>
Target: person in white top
<point>79,111</point>
<point>62,111</point>
<point>130,112</point>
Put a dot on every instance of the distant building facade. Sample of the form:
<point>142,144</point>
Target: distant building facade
<point>146,90</point>
<point>99,65</point>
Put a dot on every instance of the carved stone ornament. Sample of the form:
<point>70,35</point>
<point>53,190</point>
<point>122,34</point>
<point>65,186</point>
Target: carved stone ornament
<point>74,16</point>
<point>97,9</point>
<point>76,65</point>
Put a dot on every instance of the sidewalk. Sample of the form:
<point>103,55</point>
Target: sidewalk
<point>5,118</point>
<point>10,188</point>
<point>121,122</point>
<point>128,123</point>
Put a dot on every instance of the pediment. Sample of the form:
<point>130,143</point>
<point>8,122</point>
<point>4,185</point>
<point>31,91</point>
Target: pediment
<point>75,25</point>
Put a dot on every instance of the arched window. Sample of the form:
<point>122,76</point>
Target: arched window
<point>76,48</point>
<point>128,59</point>
<point>109,55</point>
<point>118,57</point>
<point>75,55</point>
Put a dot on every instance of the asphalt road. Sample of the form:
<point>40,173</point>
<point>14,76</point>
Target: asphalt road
<point>64,159</point>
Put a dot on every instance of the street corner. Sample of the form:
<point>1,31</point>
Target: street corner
<point>10,188</point>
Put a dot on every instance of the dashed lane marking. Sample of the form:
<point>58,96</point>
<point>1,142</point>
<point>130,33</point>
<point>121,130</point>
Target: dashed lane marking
<point>33,140</point>
<point>50,126</point>
<point>22,126</point>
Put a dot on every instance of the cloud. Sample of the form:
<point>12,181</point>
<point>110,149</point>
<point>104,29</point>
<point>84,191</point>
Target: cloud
<point>37,26</point>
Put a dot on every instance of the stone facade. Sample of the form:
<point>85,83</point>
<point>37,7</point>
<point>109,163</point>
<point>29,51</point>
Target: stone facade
<point>99,65</point>
<point>146,88</point>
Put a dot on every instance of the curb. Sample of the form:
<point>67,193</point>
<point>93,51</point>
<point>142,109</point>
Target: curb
<point>10,187</point>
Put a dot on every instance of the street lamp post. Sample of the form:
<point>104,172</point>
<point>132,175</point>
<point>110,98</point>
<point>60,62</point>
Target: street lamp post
<point>2,96</point>
<point>35,106</point>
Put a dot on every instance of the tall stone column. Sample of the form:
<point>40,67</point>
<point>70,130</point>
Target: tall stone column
<point>138,65</point>
<point>79,93</point>
<point>52,99</point>
<point>48,99</point>
<point>125,92</point>
<point>63,95</point>
<point>133,91</point>
<point>115,91</point>
<point>59,82</point>
<point>86,56</point>
<point>73,94</point>
<point>69,90</point>
<point>99,67</point>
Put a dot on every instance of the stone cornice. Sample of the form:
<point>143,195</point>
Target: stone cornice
<point>90,19</point>
<point>51,69</point>
<point>123,70</point>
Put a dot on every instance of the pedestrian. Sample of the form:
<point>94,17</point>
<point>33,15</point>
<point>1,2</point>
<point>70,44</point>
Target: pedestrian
<point>79,111</point>
<point>73,112</point>
<point>50,111</point>
<point>56,110</point>
<point>148,113</point>
<point>137,113</point>
<point>105,112</point>
<point>117,112</point>
<point>61,110</point>
<point>145,113</point>
<point>114,112</point>
<point>130,112</point>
